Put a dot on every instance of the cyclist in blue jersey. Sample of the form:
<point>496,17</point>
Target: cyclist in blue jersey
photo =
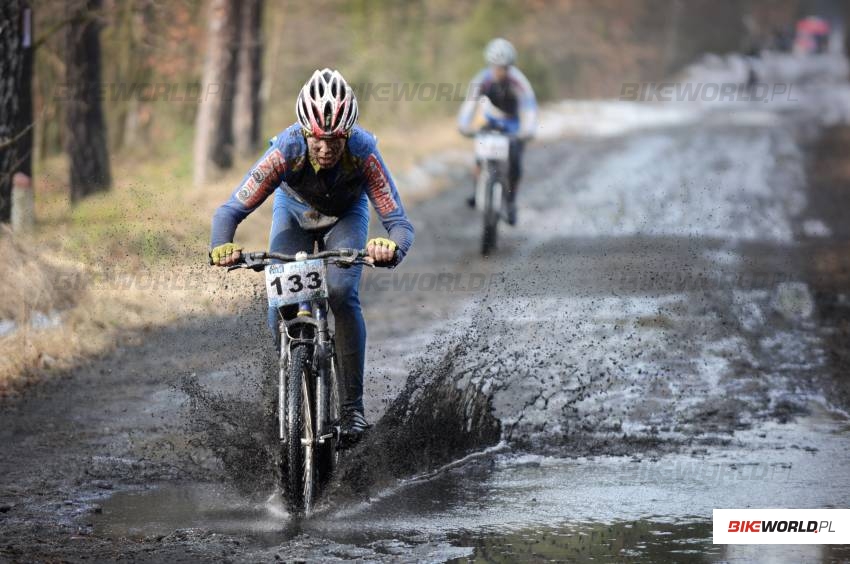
<point>512,109</point>
<point>323,171</point>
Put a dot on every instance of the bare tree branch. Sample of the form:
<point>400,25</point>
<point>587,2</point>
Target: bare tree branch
<point>8,141</point>
<point>14,168</point>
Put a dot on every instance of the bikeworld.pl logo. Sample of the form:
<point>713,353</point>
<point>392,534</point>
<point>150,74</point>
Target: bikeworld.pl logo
<point>781,526</point>
<point>706,92</point>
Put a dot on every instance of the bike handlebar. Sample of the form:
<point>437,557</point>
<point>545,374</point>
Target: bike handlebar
<point>344,258</point>
<point>473,133</point>
<point>334,253</point>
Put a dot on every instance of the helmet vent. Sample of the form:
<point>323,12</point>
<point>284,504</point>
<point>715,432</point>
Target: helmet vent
<point>326,104</point>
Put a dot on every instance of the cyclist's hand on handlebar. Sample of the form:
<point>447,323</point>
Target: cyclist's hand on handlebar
<point>227,254</point>
<point>381,250</point>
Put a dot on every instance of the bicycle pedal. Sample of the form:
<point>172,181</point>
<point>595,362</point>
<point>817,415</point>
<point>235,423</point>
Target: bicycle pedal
<point>347,441</point>
<point>334,434</point>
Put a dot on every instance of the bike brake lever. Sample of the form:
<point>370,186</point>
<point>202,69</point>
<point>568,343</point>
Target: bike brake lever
<point>343,263</point>
<point>349,262</point>
<point>249,263</point>
<point>255,264</point>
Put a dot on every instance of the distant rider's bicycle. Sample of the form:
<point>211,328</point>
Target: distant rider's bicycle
<point>307,405</point>
<point>492,150</point>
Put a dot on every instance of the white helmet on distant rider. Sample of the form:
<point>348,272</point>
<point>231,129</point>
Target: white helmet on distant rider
<point>326,105</point>
<point>500,52</point>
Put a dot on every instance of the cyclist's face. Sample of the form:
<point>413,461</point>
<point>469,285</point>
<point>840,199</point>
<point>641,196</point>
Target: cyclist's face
<point>500,73</point>
<point>326,152</point>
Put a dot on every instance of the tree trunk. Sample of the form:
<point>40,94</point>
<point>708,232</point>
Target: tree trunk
<point>15,129</point>
<point>122,60</point>
<point>86,139</point>
<point>214,124</point>
<point>48,78</point>
<point>846,30</point>
<point>671,37</point>
<point>25,125</point>
<point>136,25</point>
<point>246,116</point>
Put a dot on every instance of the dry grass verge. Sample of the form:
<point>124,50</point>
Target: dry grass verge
<point>29,285</point>
<point>92,310</point>
<point>102,273</point>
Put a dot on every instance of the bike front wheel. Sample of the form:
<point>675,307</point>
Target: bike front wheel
<point>300,479</point>
<point>492,211</point>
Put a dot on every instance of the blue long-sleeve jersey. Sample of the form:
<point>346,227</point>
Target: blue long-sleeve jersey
<point>286,166</point>
<point>513,97</point>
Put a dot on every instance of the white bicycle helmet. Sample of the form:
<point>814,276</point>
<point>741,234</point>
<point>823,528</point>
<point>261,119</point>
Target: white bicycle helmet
<point>326,105</point>
<point>500,52</point>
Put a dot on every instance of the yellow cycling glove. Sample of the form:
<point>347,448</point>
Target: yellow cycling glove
<point>221,252</point>
<point>383,250</point>
<point>382,242</point>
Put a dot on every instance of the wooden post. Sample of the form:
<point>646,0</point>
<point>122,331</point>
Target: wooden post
<point>23,203</point>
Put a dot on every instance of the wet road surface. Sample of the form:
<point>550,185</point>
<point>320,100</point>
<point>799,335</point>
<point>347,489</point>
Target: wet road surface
<point>660,335</point>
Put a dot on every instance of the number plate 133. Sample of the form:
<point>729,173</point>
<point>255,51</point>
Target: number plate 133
<point>296,282</point>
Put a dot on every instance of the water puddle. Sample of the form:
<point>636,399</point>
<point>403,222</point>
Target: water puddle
<point>641,541</point>
<point>509,507</point>
<point>165,509</point>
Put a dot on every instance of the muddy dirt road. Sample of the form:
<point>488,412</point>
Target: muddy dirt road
<point>664,332</point>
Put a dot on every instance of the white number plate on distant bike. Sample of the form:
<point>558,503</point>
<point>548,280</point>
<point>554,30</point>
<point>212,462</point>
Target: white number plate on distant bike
<point>492,147</point>
<point>296,282</point>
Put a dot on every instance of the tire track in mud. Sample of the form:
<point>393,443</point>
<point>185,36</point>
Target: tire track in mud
<point>827,267</point>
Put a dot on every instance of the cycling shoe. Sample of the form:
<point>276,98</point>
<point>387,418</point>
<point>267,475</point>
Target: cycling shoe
<point>352,427</point>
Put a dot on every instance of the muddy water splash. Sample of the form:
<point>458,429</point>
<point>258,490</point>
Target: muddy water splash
<point>441,415</point>
<point>236,430</point>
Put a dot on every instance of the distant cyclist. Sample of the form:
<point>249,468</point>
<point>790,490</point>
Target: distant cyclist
<point>323,170</point>
<point>515,109</point>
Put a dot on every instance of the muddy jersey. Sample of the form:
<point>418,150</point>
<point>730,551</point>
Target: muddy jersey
<point>331,192</point>
<point>513,97</point>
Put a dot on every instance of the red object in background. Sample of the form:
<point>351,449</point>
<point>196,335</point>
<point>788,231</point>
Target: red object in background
<point>813,25</point>
<point>812,35</point>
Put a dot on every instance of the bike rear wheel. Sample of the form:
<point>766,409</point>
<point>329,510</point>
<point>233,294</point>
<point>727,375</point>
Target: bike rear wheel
<point>300,478</point>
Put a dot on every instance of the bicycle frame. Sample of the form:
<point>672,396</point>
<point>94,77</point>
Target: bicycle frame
<point>491,169</point>
<point>306,361</point>
<point>310,327</point>
<point>492,186</point>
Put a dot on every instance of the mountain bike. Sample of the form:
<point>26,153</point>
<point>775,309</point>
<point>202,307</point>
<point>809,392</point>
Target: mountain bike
<point>307,405</point>
<point>492,150</point>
